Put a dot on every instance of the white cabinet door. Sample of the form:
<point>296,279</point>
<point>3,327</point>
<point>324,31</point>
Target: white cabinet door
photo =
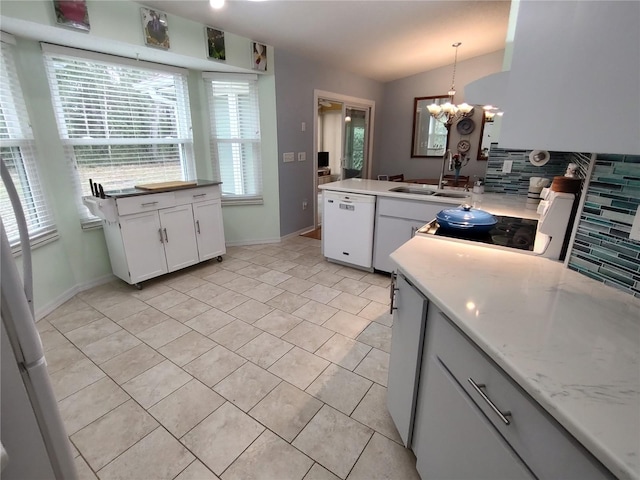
<point>209,229</point>
<point>456,440</point>
<point>142,240</point>
<point>406,356</point>
<point>179,237</point>
<point>391,233</point>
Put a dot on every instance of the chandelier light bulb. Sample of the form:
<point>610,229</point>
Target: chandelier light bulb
<point>217,4</point>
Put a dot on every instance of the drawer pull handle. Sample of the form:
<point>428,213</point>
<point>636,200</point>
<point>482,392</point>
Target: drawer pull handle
<point>392,292</point>
<point>160,232</point>
<point>478,388</point>
<point>166,237</point>
<point>200,195</point>
<point>198,226</point>
<point>149,204</point>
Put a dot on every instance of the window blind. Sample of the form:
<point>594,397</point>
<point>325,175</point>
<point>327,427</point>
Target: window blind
<point>235,135</point>
<point>17,149</point>
<point>122,122</point>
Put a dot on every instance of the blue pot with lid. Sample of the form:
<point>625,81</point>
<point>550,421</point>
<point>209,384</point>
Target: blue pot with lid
<point>467,219</point>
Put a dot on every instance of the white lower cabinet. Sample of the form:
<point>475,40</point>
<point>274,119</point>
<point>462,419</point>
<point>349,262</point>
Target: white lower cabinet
<point>179,237</point>
<point>209,232</point>
<point>142,242</point>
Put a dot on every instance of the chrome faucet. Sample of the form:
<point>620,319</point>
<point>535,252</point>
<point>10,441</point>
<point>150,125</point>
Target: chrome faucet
<point>447,157</point>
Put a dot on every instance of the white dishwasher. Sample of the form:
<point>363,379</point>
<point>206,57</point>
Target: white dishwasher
<point>347,228</point>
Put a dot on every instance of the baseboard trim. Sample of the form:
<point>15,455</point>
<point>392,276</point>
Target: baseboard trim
<point>69,294</point>
<point>298,233</point>
<point>253,242</point>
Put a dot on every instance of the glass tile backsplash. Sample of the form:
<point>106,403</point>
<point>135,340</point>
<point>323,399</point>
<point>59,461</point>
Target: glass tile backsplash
<point>602,249</point>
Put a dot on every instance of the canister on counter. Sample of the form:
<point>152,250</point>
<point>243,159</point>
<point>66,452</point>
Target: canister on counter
<point>536,184</point>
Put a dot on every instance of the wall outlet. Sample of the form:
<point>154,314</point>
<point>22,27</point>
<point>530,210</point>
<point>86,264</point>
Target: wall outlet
<point>635,227</point>
<point>304,204</point>
<point>506,166</point>
<point>302,156</point>
<point>288,157</point>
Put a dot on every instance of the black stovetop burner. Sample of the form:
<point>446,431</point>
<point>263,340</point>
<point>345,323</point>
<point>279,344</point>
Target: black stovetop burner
<point>512,232</point>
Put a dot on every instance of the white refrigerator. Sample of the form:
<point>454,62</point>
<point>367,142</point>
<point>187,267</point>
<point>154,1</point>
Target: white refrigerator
<point>35,444</point>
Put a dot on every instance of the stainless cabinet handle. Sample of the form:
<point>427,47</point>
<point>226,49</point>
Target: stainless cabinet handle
<point>160,232</point>
<point>166,237</point>
<point>200,195</point>
<point>198,226</point>
<point>392,292</point>
<point>148,204</point>
<point>478,388</point>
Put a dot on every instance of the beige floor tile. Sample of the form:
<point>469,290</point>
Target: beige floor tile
<point>325,265</point>
<point>275,457</point>
<point>318,472</point>
<point>326,278</point>
<point>253,271</point>
<point>282,265</point>
<point>151,289</point>
<point>286,410</point>
<point>241,253</point>
<point>163,333</point>
<point>235,335</point>
<point>132,363</point>
<point>296,285</point>
<point>383,459</point>
<point>373,412</point>
<point>196,471</point>
<point>185,311</point>
<point>303,271</point>
<point>247,386</point>
<point>221,437</point>
<point>53,339</point>
<point>141,321</point>
<point>277,323</point>
<point>186,348</point>
<point>339,388</point>
<point>214,365</point>
<point>74,378</point>
<point>184,283</point>
<point>186,407</point>
<point>110,435</point>
<point>377,336</point>
<point>227,301</point>
<point>263,260</point>
<point>346,324</point>
<point>72,305</point>
<point>62,357</point>
<point>242,284</point>
<point>264,350</point>
<point>349,285</point>
<point>308,335</point>
<point>222,277</point>
<point>263,292</point>
<point>108,347</point>
<point>157,456</point>
<point>377,312</point>
<point>250,311</point>
<point>349,303</point>
<point>206,293</point>
<point>83,470</point>
<point>377,279</point>
<point>43,325</point>
<point>90,403</point>
<point>76,319</point>
<point>202,270</point>
<point>344,351</point>
<point>150,387</point>
<point>167,300</point>
<point>321,293</point>
<point>273,277</point>
<point>299,367</point>
<point>377,294</point>
<point>287,302</point>
<point>333,440</point>
<point>208,322</point>
<point>315,312</point>
<point>124,309</point>
<point>352,273</point>
<point>375,366</point>
<point>105,297</point>
<point>93,332</point>
<point>234,264</point>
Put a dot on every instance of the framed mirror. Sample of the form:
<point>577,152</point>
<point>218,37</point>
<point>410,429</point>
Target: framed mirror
<point>429,138</point>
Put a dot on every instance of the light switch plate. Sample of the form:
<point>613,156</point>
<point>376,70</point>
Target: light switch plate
<point>635,227</point>
<point>506,166</point>
<point>302,156</point>
<point>288,157</point>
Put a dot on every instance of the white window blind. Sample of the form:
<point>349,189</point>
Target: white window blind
<point>18,153</point>
<point>122,122</point>
<point>235,135</point>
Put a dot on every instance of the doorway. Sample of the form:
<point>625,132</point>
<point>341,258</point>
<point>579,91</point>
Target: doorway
<point>343,136</point>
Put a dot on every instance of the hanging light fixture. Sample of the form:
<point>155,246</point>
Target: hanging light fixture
<point>490,112</point>
<point>448,112</point>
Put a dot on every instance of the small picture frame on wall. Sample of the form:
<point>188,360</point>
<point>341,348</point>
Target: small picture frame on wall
<point>259,56</point>
<point>215,44</point>
<point>72,13</point>
<point>156,28</point>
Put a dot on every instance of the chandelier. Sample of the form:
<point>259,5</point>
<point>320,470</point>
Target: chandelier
<point>449,113</point>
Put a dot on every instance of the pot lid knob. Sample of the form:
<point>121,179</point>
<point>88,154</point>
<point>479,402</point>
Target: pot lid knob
<point>466,207</point>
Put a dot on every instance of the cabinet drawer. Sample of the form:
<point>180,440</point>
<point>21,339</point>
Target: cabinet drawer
<point>543,444</point>
<point>409,209</point>
<point>145,203</point>
<point>191,195</point>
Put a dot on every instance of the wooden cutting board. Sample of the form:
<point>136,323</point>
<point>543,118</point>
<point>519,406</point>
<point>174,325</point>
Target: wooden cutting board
<point>166,185</point>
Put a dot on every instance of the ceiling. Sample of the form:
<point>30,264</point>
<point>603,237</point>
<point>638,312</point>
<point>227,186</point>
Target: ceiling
<point>380,39</point>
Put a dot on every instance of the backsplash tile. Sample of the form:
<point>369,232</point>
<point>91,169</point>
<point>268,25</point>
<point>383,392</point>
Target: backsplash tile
<point>602,249</point>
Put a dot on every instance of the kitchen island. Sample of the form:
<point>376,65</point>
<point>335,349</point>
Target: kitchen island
<point>571,344</point>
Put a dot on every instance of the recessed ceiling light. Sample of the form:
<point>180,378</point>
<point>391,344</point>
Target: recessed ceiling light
<point>216,4</point>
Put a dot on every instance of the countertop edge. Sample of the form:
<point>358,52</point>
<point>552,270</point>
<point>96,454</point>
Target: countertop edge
<point>135,192</point>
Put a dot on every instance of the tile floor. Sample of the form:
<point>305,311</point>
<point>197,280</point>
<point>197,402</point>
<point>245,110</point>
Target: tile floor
<point>269,365</point>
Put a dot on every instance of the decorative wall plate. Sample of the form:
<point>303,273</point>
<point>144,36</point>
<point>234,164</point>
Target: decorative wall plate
<point>465,126</point>
<point>464,146</point>
<point>539,157</point>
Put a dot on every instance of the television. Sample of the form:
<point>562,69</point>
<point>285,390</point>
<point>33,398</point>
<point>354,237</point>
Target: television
<point>323,159</point>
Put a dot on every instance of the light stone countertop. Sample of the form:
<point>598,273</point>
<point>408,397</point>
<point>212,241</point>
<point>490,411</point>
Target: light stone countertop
<point>495,203</point>
<point>570,342</point>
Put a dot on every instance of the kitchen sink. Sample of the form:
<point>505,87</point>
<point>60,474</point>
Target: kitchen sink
<point>419,191</point>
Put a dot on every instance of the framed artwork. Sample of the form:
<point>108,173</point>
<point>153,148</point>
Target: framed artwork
<point>259,56</point>
<point>155,27</point>
<point>215,44</point>
<point>72,13</point>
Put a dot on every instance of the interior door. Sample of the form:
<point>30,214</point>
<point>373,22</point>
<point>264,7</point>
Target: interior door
<point>356,140</point>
